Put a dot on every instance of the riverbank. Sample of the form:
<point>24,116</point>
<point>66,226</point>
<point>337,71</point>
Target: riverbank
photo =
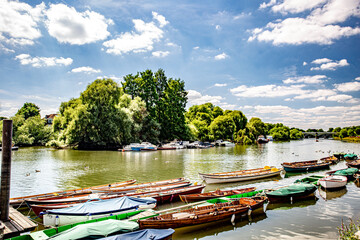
<point>349,139</point>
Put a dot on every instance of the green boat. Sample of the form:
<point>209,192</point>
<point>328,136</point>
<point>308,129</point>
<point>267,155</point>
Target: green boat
<point>291,192</point>
<point>44,234</point>
<point>312,179</point>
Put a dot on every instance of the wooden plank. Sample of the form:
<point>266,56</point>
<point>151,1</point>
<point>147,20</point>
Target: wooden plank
<point>21,220</point>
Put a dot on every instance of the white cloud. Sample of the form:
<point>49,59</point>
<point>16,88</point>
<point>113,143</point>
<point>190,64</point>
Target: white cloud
<point>142,40</point>
<point>296,6</point>
<point>196,48</point>
<point>69,26</point>
<point>196,98</point>
<point>221,56</point>
<point>317,117</point>
<point>357,79</point>
<point>87,70</point>
<point>113,77</point>
<point>348,87</point>
<point>267,91</point>
<point>217,27</point>
<point>160,54</point>
<point>329,64</point>
<point>220,85</point>
<point>19,22</point>
<point>319,27</point>
<point>269,4</point>
<point>26,59</point>
<point>306,79</point>
<point>321,60</point>
<point>161,19</point>
<point>304,63</point>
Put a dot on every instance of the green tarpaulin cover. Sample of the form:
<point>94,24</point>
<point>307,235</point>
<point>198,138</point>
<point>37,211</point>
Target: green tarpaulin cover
<point>350,155</point>
<point>103,228</point>
<point>293,189</point>
<point>346,172</point>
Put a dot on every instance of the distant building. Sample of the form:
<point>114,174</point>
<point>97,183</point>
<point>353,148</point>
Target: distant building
<point>49,118</point>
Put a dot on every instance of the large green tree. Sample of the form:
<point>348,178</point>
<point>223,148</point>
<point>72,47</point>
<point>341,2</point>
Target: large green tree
<point>28,110</point>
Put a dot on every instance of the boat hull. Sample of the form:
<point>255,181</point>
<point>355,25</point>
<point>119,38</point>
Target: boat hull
<point>212,179</point>
<point>333,182</point>
<point>305,166</point>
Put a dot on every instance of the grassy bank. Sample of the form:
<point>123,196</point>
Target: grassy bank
<point>349,139</point>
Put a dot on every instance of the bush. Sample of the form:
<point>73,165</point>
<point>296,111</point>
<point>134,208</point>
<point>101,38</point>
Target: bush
<point>348,231</point>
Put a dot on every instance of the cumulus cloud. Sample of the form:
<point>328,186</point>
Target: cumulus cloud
<point>19,22</point>
<point>160,54</point>
<point>304,63</point>
<point>26,59</point>
<point>87,70</point>
<point>306,79</point>
<point>328,64</point>
<point>70,26</point>
<point>271,90</point>
<point>293,92</point>
<point>141,40</point>
<point>316,117</point>
<point>221,56</point>
<point>196,98</point>
<point>319,27</point>
<point>220,85</point>
<point>348,86</point>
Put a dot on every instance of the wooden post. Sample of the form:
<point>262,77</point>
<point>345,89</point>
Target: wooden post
<point>5,170</point>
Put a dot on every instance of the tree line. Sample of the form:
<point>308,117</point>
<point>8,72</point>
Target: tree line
<point>148,106</point>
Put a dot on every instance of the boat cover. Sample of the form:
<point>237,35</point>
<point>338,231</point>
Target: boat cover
<point>103,206</point>
<point>350,155</point>
<point>346,172</point>
<point>146,234</point>
<point>102,228</point>
<point>293,189</point>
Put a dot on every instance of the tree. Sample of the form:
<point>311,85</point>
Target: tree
<point>223,127</point>
<point>280,133</point>
<point>343,133</point>
<point>357,131</point>
<point>295,134</point>
<point>33,132</point>
<point>351,133</point>
<point>29,110</point>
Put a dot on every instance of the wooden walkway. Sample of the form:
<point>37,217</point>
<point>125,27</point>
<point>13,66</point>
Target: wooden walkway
<point>18,224</point>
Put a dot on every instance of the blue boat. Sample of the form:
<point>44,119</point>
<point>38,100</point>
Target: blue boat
<point>305,166</point>
<point>146,234</point>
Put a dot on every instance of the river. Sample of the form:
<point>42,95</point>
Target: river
<point>38,170</point>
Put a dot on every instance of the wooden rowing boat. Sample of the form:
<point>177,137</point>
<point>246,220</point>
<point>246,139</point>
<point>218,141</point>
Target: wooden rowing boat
<point>305,166</point>
<point>332,159</point>
<point>203,214</point>
<point>18,200</point>
<point>333,182</point>
<point>237,176</point>
<point>346,172</point>
<point>291,192</point>
<point>214,194</point>
<point>354,164</point>
<point>96,196</point>
<point>312,179</point>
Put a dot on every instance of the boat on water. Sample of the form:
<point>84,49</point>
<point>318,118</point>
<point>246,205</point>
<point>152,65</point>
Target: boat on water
<point>13,148</point>
<point>350,157</point>
<point>203,214</point>
<point>312,179</point>
<point>354,164</point>
<point>16,201</point>
<point>226,144</point>
<point>304,166</point>
<point>328,194</point>
<point>145,234</point>
<point>291,192</point>
<point>332,159</point>
<point>243,175</point>
<point>333,182</point>
<point>346,172</point>
<point>261,139</point>
<point>97,209</point>
<point>144,146</point>
<point>214,194</point>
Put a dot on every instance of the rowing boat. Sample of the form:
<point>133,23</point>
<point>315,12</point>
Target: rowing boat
<point>237,176</point>
<point>94,210</point>
<point>333,182</point>
<point>332,159</point>
<point>305,166</point>
<point>103,196</point>
<point>346,172</point>
<point>291,192</point>
<point>312,179</point>
<point>18,200</point>
<point>145,234</point>
<point>215,194</point>
<point>202,214</point>
<point>354,164</point>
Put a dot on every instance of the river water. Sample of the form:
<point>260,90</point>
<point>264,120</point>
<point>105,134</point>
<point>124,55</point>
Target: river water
<point>38,170</point>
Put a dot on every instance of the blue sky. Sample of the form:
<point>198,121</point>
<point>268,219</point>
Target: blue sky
<point>289,61</point>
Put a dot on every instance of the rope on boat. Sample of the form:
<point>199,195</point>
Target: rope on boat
<point>20,204</point>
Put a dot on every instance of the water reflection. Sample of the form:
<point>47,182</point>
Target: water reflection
<point>296,204</point>
<point>332,194</point>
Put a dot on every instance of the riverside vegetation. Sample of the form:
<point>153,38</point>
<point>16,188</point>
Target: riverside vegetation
<point>147,107</point>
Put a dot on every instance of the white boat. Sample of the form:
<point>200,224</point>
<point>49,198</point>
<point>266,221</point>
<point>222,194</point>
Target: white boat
<point>129,147</point>
<point>227,144</point>
<point>239,176</point>
<point>93,210</point>
<point>146,146</point>
<point>333,181</point>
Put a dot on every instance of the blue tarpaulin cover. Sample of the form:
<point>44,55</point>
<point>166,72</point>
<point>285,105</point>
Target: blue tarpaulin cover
<point>146,234</point>
<point>104,206</point>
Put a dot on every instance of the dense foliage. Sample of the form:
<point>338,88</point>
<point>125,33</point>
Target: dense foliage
<point>28,110</point>
<point>165,100</point>
<point>208,122</point>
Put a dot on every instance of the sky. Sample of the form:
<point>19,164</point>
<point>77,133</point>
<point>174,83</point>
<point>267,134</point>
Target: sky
<point>288,61</point>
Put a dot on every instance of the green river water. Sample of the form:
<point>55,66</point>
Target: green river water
<point>38,170</point>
